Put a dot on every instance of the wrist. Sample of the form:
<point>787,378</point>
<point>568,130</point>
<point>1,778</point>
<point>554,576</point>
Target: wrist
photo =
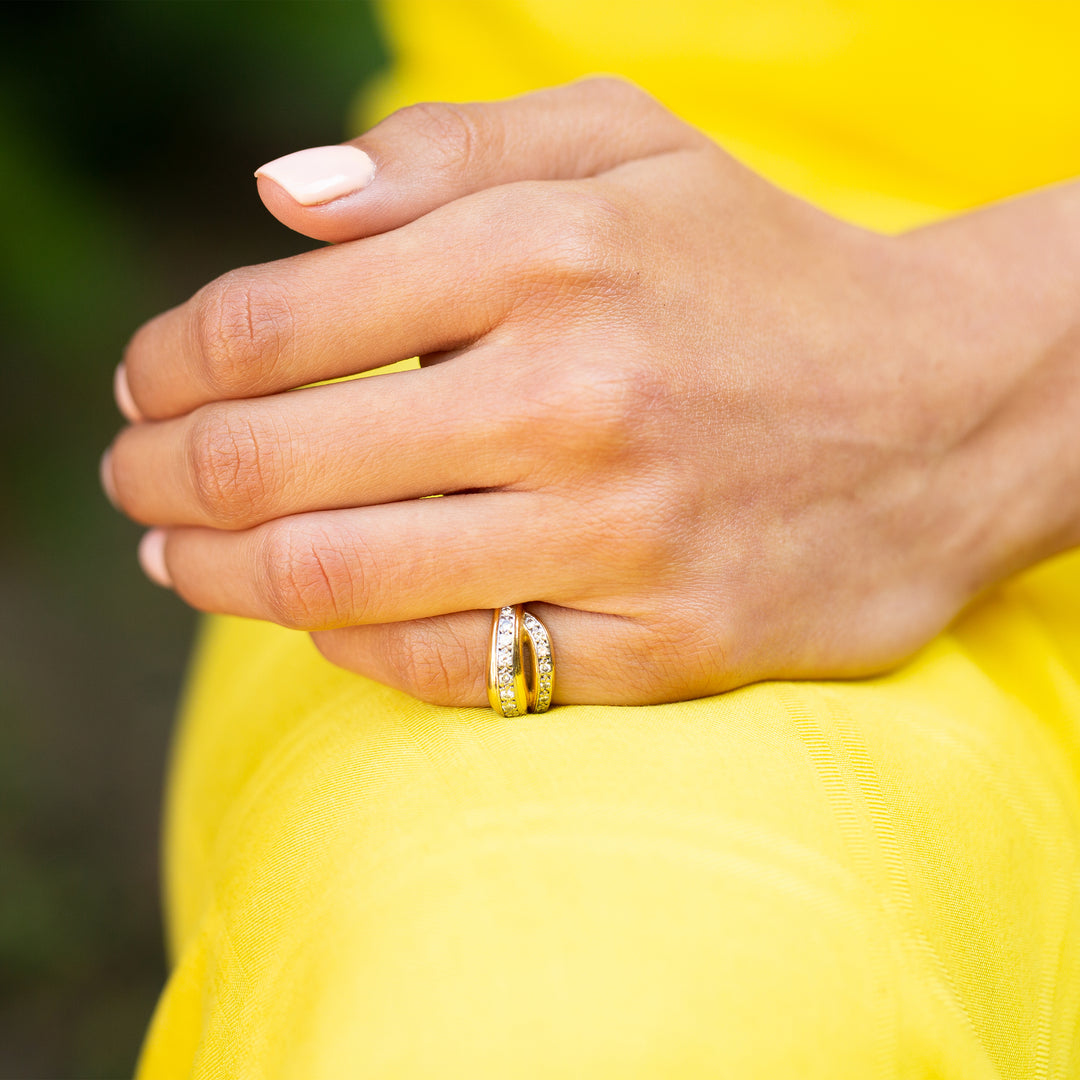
<point>1002,289</point>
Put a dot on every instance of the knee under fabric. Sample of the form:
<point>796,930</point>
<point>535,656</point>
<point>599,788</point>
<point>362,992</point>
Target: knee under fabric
<point>814,880</point>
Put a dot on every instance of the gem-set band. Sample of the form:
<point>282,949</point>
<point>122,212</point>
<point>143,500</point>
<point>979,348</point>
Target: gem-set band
<point>521,670</point>
<point>543,669</point>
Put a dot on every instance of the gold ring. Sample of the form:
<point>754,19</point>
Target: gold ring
<point>521,668</point>
<point>507,689</point>
<point>543,663</point>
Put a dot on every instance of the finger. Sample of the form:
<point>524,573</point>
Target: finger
<point>122,395</point>
<point>437,285</point>
<point>599,658</point>
<point>237,464</point>
<point>392,562</point>
<point>427,155</point>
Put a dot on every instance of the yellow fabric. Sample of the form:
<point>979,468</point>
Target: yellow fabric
<point>886,112</point>
<point>834,881</point>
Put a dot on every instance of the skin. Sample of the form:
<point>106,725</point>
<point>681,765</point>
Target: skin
<point>711,434</point>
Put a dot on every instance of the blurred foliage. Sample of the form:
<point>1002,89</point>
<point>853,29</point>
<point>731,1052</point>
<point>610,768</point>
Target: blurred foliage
<point>128,135</point>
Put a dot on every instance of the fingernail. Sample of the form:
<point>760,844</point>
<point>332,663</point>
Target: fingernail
<point>152,557</point>
<point>107,481</point>
<point>320,174</point>
<point>122,392</point>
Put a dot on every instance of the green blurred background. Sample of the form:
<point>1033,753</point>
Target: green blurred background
<point>128,135</point>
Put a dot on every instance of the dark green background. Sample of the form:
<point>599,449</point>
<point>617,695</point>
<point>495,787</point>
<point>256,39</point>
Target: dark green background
<point>128,135</point>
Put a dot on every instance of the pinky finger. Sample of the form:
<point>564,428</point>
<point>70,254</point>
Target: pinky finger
<point>599,659</point>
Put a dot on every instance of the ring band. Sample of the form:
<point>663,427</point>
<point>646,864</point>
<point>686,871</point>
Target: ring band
<point>507,689</point>
<point>521,667</point>
<point>543,663</point>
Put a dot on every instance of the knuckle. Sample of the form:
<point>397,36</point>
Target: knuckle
<point>707,654</point>
<point>599,412</point>
<point>626,531</point>
<point>655,662</point>
<point>618,89</point>
<point>308,582</point>
<point>230,467</point>
<point>579,242</point>
<point>622,97</point>
<point>243,323</point>
<point>431,662</point>
<point>684,663</point>
<point>653,537</point>
<point>457,136</point>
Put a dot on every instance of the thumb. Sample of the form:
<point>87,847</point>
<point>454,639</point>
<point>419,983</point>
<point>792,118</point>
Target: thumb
<point>425,156</point>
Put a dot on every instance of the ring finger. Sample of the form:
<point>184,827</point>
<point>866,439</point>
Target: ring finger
<point>392,562</point>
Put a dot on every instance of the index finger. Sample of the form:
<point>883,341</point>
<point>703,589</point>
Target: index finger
<point>430,154</point>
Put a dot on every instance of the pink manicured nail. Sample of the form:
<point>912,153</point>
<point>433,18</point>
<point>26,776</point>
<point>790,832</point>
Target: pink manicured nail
<point>320,174</point>
<point>107,481</point>
<point>122,392</point>
<point>152,557</point>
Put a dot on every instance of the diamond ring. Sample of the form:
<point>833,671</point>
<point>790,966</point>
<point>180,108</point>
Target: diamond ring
<point>521,668</point>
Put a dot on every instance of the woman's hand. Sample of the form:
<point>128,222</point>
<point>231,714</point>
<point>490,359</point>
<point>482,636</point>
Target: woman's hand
<point>711,434</point>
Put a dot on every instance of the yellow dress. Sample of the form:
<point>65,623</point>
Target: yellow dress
<point>823,881</point>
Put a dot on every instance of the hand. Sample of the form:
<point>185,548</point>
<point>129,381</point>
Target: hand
<point>710,433</point>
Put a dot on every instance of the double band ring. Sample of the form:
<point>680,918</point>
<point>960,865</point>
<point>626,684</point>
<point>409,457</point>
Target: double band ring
<point>521,668</point>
